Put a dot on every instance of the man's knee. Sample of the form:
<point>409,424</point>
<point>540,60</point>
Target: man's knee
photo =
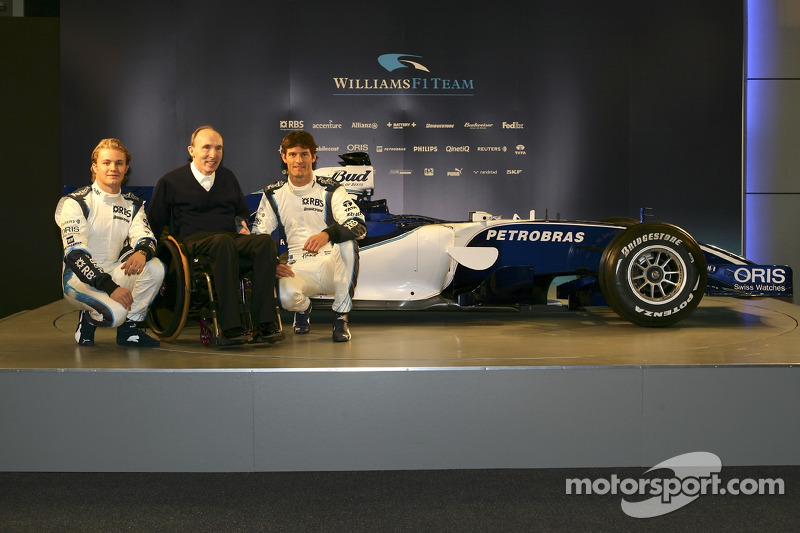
<point>219,252</point>
<point>120,315</point>
<point>266,244</point>
<point>154,270</point>
<point>113,315</point>
<point>292,299</point>
<point>221,243</point>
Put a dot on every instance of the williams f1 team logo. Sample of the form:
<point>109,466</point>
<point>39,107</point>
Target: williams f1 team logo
<point>392,62</point>
<point>409,77</point>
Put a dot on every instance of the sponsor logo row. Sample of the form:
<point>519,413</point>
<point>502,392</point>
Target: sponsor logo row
<point>286,125</point>
<point>427,149</point>
<point>350,178</point>
<point>457,172</point>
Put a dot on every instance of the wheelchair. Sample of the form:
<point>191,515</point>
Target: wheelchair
<point>187,292</point>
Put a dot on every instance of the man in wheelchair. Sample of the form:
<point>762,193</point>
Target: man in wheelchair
<point>202,206</point>
<point>110,269</point>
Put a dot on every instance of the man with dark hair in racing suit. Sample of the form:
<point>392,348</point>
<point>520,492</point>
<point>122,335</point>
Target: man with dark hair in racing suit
<point>110,269</point>
<point>320,224</point>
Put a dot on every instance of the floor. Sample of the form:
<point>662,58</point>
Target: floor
<point>722,331</point>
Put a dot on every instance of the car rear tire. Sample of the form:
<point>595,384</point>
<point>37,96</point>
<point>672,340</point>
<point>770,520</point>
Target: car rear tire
<point>653,274</point>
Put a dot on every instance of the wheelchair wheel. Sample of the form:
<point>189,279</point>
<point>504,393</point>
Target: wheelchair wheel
<point>169,309</point>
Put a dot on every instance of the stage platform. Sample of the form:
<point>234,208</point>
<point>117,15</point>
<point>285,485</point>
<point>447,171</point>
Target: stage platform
<point>541,388</point>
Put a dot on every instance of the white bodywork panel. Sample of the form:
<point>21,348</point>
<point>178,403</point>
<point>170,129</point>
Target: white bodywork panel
<point>413,266</point>
<point>419,264</point>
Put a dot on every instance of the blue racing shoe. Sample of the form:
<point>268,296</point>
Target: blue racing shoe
<point>341,333</point>
<point>84,335</point>
<point>129,334</point>
<point>302,321</point>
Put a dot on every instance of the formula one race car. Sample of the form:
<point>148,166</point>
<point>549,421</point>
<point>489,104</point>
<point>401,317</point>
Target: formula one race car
<point>650,273</point>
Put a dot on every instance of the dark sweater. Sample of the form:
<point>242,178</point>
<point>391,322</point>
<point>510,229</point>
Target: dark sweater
<point>181,204</point>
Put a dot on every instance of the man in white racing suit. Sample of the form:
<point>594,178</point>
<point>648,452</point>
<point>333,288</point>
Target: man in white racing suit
<point>110,269</point>
<point>320,224</point>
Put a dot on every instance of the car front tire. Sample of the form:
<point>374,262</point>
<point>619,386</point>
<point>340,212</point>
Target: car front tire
<point>653,274</point>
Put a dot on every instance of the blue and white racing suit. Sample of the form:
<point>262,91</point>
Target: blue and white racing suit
<point>99,232</point>
<point>300,212</point>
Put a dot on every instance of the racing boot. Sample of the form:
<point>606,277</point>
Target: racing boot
<point>129,334</point>
<point>302,321</point>
<point>84,335</point>
<point>341,333</point>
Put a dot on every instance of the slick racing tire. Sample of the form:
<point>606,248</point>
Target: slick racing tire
<point>653,274</point>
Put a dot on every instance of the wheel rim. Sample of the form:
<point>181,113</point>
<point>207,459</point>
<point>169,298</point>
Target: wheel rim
<point>657,275</point>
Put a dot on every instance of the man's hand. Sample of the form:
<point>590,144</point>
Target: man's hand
<point>244,230</point>
<point>134,264</point>
<point>123,296</point>
<point>283,270</point>
<point>315,243</point>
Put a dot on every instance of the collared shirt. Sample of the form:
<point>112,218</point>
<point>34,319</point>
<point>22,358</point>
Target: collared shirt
<point>205,182</point>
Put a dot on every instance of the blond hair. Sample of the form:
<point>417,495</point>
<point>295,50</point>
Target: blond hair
<point>112,144</point>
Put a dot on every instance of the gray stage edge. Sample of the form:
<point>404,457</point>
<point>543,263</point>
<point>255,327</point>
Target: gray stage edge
<point>379,419</point>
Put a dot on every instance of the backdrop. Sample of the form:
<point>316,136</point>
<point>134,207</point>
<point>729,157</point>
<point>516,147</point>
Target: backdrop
<point>579,108</point>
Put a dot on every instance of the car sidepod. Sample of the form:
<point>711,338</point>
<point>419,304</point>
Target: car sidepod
<point>531,254</point>
<point>411,267</point>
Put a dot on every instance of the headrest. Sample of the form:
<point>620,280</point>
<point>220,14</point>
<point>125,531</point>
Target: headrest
<point>354,158</point>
